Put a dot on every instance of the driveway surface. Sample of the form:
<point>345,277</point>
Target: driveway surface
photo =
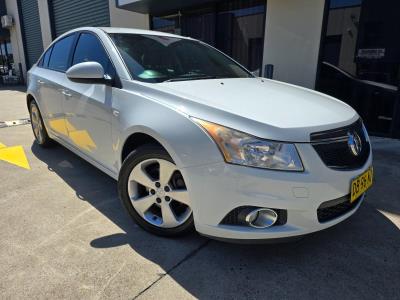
<point>64,234</point>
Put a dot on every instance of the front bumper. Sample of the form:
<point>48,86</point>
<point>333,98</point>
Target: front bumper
<point>217,189</point>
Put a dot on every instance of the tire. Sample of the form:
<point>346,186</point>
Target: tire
<point>149,203</point>
<point>38,127</point>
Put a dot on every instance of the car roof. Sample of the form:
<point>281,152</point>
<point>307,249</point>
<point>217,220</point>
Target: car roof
<point>121,30</point>
<point>117,30</point>
<point>138,31</point>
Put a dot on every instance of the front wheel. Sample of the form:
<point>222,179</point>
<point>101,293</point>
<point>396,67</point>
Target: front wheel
<point>154,192</point>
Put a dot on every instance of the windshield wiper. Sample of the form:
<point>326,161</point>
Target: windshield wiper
<point>191,78</point>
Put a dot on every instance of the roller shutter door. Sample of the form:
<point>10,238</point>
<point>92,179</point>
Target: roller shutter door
<point>32,33</point>
<point>67,15</point>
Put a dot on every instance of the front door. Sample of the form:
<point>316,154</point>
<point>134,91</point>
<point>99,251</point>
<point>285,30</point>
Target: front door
<point>87,107</point>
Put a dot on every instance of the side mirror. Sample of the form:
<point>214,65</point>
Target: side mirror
<point>88,72</point>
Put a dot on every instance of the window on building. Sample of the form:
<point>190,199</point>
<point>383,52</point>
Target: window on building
<point>60,54</point>
<point>89,48</point>
<point>235,27</point>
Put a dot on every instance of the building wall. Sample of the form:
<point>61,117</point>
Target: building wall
<point>125,18</point>
<point>45,23</point>
<point>292,35</point>
<point>292,39</point>
<point>16,36</point>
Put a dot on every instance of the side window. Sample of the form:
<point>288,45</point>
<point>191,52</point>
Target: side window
<point>44,62</point>
<point>89,48</point>
<point>60,54</point>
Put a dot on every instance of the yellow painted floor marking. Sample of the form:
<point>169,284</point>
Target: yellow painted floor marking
<point>14,155</point>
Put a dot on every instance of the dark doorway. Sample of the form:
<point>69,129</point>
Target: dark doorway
<point>360,60</point>
<point>5,57</point>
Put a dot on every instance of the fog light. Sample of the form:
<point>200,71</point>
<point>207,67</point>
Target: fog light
<point>261,218</point>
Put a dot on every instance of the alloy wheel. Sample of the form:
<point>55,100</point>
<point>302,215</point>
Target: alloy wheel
<point>158,193</point>
<point>37,124</point>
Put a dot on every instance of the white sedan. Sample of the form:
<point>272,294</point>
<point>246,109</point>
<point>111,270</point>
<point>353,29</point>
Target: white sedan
<point>195,140</point>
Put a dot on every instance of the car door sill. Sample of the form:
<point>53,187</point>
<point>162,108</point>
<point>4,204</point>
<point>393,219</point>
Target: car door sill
<point>86,157</point>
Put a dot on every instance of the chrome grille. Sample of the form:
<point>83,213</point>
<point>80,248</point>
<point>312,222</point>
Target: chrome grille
<point>333,147</point>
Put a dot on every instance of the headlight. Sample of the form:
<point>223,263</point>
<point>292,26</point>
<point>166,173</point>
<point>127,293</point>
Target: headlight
<point>243,149</point>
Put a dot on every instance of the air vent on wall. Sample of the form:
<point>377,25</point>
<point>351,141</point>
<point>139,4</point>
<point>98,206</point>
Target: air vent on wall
<point>6,21</point>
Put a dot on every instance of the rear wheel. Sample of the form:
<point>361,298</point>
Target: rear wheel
<point>39,130</point>
<point>154,192</point>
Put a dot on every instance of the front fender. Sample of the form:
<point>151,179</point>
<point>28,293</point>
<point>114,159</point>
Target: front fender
<point>184,140</point>
<point>152,133</point>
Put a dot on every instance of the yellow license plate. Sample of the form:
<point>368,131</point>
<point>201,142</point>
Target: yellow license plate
<point>360,184</point>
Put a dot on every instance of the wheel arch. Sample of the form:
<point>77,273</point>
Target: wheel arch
<point>144,136</point>
<point>136,140</point>
<point>29,99</point>
<point>32,97</point>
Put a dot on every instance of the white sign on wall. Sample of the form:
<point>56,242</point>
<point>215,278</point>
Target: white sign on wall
<point>371,53</point>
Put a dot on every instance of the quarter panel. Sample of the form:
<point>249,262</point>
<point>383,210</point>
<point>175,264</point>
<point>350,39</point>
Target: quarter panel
<point>33,87</point>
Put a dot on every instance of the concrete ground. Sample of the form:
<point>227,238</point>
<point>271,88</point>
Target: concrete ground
<point>12,103</point>
<point>64,234</point>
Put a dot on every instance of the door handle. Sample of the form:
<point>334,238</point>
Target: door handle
<point>65,93</point>
<point>40,81</point>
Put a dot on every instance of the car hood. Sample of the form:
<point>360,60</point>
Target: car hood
<point>265,108</point>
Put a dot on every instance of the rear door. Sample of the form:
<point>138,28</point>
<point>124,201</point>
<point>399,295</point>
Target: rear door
<point>52,91</point>
<point>88,106</point>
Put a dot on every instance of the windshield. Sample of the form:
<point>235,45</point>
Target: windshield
<point>155,59</point>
